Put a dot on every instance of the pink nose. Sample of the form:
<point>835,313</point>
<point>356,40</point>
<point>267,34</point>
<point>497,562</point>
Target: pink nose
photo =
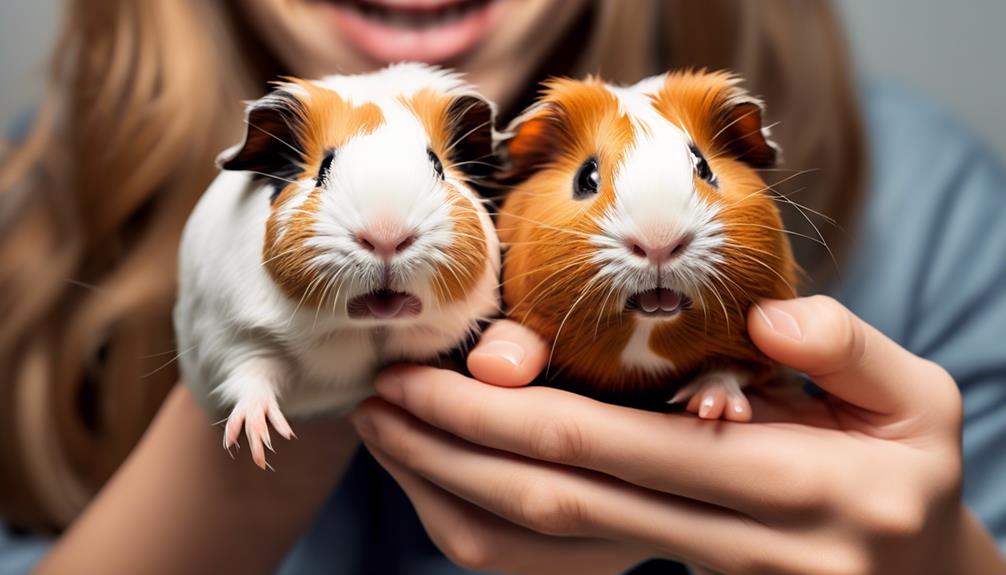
<point>661,253</point>
<point>385,244</point>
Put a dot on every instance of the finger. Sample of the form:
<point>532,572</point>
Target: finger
<point>563,501</point>
<point>746,467</point>
<point>479,540</point>
<point>844,355</point>
<point>508,355</point>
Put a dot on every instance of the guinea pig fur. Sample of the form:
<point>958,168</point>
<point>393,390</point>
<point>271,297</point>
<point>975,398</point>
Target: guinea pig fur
<point>638,233</point>
<point>341,235</point>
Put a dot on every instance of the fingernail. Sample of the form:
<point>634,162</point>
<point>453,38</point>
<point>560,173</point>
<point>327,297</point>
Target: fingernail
<point>364,426</point>
<point>782,322</point>
<point>506,350</point>
<point>389,386</point>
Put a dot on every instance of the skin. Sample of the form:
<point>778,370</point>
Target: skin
<point>183,506</point>
<point>523,32</point>
<point>865,481</point>
<point>544,477</point>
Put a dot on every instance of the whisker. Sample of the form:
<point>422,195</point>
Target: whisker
<point>275,137</point>
<point>169,362</point>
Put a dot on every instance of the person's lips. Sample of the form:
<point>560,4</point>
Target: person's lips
<point>412,30</point>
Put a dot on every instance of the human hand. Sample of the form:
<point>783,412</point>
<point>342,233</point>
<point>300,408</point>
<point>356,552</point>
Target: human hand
<point>520,480</point>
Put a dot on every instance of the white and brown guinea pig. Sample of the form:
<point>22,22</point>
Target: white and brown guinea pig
<point>639,232</point>
<point>342,234</point>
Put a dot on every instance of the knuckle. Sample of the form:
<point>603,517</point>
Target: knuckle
<point>470,554</point>
<point>894,517</point>
<point>800,487</point>
<point>557,440</point>
<point>474,421</point>
<point>753,564</point>
<point>467,549</point>
<point>549,510</point>
<point>946,393</point>
<point>845,333</point>
<point>845,560</point>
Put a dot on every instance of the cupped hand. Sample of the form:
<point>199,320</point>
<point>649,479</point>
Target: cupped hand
<point>521,479</point>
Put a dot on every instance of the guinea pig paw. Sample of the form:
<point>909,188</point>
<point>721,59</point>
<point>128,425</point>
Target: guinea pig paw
<point>255,416</point>
<point>716,395</point>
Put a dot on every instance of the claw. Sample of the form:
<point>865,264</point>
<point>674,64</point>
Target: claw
<point>255,416</point>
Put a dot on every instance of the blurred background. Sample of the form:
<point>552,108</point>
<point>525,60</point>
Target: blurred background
<point>935,47</point>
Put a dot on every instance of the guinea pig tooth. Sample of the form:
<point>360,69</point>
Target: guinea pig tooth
<point>669,300</point>
<point>649,300</point>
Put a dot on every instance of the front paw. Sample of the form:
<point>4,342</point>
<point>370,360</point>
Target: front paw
<point>716,395</point>
<point>252,415</point>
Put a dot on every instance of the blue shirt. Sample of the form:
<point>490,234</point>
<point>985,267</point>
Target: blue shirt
<point>928,268</point>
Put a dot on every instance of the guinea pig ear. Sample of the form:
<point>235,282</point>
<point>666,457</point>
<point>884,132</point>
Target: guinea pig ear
<point>271,145</point>
<point>529,142</point>
<point>472,121</point>
<point>740,131</point>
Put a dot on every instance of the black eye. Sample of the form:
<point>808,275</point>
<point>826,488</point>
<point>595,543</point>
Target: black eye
<point>587,181</point>
<point>438,166</point>
<point>702,169</point>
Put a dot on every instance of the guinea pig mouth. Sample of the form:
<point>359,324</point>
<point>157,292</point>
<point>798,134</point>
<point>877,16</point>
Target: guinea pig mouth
<point>659,302</point>
<point>384,304</point>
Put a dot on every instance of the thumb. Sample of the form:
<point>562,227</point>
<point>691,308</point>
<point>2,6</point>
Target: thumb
<point>843,354</point>
<point>508,355</point>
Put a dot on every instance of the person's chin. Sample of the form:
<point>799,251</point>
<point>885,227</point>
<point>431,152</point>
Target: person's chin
<point>433,31</point>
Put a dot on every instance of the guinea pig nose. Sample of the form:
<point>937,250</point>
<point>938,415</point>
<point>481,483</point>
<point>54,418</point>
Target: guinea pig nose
<point>385,245</point>
<point>660,253</point>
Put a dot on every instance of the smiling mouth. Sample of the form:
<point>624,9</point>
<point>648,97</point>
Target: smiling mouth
<point>415,16</point>
<point>384,304</point>
<point>659,302</point>
<point>418,30</point>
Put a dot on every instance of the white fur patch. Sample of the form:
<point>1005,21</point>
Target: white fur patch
<point>637,353</point>
<point>656,203</point>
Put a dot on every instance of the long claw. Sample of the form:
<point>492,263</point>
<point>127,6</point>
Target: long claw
<point>279,422</point>
<point>255,417</point>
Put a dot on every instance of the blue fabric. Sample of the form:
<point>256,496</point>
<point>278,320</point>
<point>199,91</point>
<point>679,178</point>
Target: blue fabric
<point>928,269</point>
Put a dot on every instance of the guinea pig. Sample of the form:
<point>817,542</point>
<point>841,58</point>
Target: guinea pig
<point>638,233</point>
<point>342,234</point>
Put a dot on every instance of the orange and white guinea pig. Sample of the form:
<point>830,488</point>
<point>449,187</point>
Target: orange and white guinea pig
<point>342,234</point>
<point>638,233</point>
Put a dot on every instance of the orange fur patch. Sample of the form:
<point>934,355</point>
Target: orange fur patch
<point>467,255</point>
<point>323,121</point>
<point>432,109</point>
<point>548,280</point>
<point>468,251</point>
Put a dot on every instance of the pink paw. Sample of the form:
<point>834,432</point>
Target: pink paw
<point>252,414</point>
<point>716,395</point>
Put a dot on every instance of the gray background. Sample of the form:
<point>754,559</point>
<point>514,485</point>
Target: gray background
<point>953,51</point>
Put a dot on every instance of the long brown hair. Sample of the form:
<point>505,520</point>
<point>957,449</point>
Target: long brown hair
<point>144,93</point>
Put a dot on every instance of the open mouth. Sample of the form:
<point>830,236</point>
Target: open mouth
<point>659,302</point>
<point>419,30</point>
<point>384,304</point>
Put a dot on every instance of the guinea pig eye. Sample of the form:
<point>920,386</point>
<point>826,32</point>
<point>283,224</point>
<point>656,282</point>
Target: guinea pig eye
<point>587,181</point>
<point>438,166</point>
<point>702,169</point>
